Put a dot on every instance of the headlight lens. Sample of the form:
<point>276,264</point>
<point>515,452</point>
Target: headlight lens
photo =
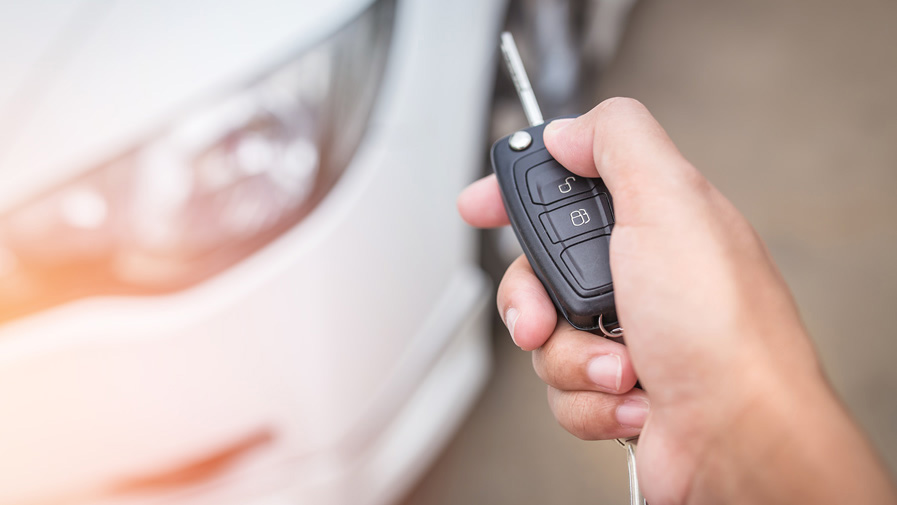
<point>208,191</point>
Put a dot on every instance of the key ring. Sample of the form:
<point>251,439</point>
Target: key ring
<point>630,444</point>
<point>614,333</point>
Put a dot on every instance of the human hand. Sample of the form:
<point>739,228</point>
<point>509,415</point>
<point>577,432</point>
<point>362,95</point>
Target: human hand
<point>711,328</point>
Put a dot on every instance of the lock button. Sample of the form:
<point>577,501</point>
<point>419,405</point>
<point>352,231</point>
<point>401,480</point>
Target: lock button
<point>550,182</point>
<point>577,218</point>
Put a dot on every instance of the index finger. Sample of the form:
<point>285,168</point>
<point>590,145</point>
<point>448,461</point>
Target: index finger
<point>480,204</point>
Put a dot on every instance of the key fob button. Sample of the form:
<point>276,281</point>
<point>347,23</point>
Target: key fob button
<point>577,218</point>
<point>589,262</point>
<point>550,182</point>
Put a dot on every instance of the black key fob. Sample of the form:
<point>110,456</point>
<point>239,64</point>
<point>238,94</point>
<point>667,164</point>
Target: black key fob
<point>563,222</point>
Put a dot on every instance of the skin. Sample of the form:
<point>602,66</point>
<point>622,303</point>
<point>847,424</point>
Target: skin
<point>738,409</point>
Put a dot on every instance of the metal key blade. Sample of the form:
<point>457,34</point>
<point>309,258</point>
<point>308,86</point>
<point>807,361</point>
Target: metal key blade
<point>521,80</point>
<point>635,492</point>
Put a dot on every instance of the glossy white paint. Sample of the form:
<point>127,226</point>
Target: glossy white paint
<point>85,79</point>
<point>323,339</point>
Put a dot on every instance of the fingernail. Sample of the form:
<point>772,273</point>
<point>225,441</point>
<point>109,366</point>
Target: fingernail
<point>511,321</point>
<point>633,413</point>
<point>606,371</point>
<point>556,126</point>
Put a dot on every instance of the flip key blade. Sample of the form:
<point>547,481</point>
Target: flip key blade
<point>521,80</point>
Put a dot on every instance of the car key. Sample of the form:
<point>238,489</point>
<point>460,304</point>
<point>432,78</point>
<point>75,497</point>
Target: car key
<point>563,222</point>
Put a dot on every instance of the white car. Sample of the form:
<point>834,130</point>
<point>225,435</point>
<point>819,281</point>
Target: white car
<point>230,265</point>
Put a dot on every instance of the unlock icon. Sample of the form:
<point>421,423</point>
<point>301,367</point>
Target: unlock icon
<point>566,187</point>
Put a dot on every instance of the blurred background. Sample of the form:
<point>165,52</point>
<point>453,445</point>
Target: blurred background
<point>231,269</point>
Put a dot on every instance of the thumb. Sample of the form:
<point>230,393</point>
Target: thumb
<point>621,142</point>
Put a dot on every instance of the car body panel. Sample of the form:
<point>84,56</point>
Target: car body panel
<point>114,73</point>
<point>308,339</point>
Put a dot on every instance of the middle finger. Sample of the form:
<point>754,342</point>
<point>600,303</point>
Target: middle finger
<point>574,360</point>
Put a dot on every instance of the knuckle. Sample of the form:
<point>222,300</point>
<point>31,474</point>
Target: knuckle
<point>579,417</point>
<point>620,104</point>
<point>549,350</point>
<point>543,363</point>
<point>555,362</point>
<point>695,180</point>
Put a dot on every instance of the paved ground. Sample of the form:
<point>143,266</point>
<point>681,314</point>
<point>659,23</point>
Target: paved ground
<point>791,109</point>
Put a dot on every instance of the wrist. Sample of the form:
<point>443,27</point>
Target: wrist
<point>791,445</point>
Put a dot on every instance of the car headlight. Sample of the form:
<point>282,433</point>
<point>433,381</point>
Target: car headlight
<point>209,190</point>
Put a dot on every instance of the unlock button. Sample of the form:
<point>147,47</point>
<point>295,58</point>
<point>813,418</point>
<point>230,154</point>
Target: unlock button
<point>550,182</point>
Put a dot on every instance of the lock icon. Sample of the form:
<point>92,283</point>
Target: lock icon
<point>579,217</point>
<point>566,187</point>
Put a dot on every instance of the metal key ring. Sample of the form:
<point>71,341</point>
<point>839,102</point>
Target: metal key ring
<point>614,333</point>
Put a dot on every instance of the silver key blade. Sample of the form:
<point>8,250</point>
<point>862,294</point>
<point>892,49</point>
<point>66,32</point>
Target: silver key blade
<point>521,80</point>
<point>635,492</point>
